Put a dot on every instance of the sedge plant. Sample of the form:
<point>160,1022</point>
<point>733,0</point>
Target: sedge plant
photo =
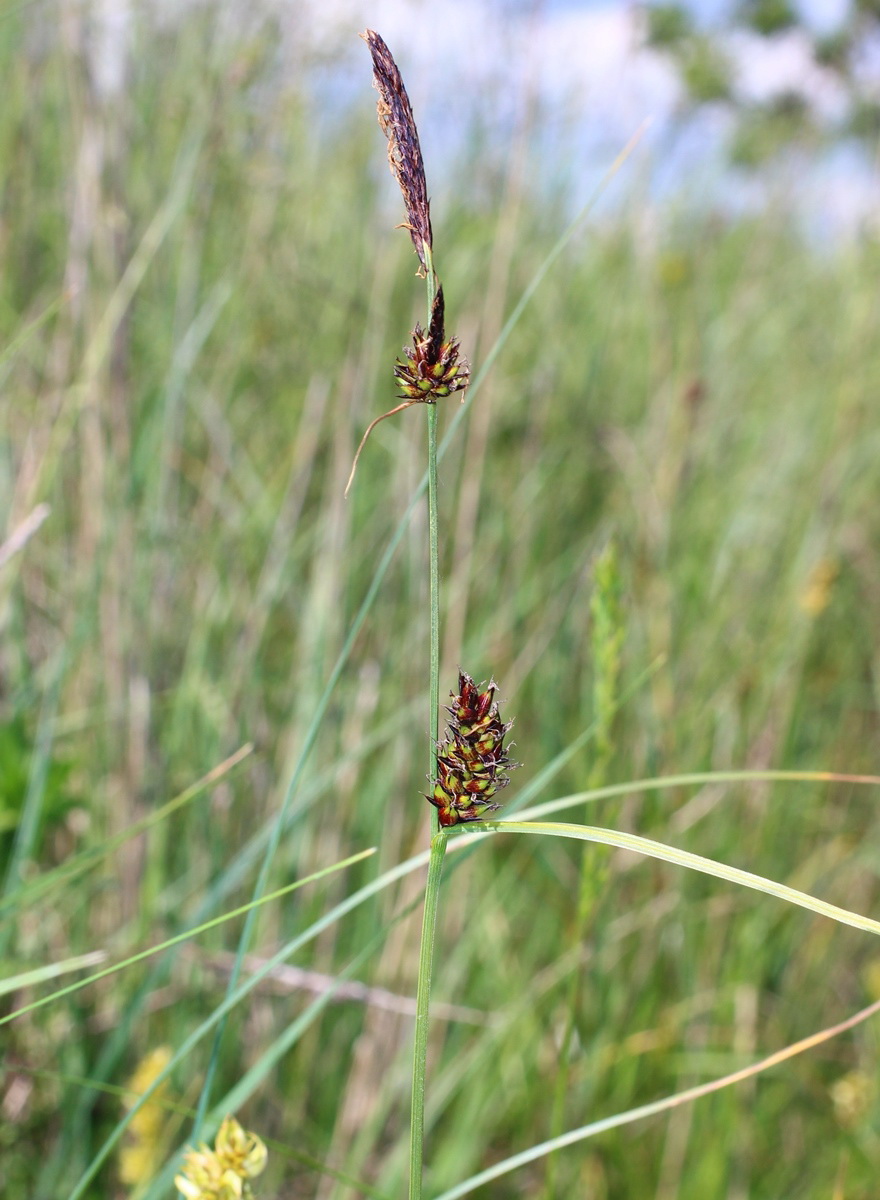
<point>469,767</point>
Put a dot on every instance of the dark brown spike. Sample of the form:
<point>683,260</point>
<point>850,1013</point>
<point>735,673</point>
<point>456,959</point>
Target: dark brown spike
<point>435,329</point>
<point>404,152</point>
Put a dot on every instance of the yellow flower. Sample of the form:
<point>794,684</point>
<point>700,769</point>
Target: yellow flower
<point>240,1151</point>
<point>141,1157</point>
<point>817,595</point>
<point>852,1096</point>
<point>138,1162</point>
<point>224,1172</point>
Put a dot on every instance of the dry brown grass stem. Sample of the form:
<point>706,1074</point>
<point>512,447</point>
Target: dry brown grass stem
<point>23,532</point>
<point>370,428</point>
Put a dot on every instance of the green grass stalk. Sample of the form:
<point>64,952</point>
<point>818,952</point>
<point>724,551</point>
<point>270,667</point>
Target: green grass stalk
<point>434,561</point>
<point>423,998</point>
<point>438,839</point>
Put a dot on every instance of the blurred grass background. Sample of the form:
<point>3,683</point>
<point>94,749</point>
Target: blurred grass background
<point>201,298</point>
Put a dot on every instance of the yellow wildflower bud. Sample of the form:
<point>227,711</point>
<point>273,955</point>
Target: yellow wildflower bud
<point>224,1172</point>
<point>243,1152</point>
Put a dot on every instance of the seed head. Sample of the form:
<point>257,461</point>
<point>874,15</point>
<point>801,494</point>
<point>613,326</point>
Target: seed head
<point>432,367</point>
<point>472,761</point>
<point>404,152</point>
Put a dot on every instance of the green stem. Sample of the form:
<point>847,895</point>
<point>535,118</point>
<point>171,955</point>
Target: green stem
<point>434,555</point>
<point>438,838</point>
<point>434,564</point>
<point>423,998</point>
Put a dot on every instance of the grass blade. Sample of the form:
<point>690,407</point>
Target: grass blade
<point>14,983</point>
<point>694,862</point>
<point>186,935</point>
<point>658,1106</point>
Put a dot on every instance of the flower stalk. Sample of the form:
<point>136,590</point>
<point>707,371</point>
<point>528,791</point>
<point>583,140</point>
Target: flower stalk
<point>438,838</point>
<point>431,369</point>
<point>433,550</point>
<point>423,1001</point>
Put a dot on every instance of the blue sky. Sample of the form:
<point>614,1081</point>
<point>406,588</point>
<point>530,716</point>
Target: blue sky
<point>581,66</point>
<point>820,13</point>
<point>595,84</point>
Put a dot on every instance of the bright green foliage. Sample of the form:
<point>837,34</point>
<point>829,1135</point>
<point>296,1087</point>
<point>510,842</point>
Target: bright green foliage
<point>17,753</point>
